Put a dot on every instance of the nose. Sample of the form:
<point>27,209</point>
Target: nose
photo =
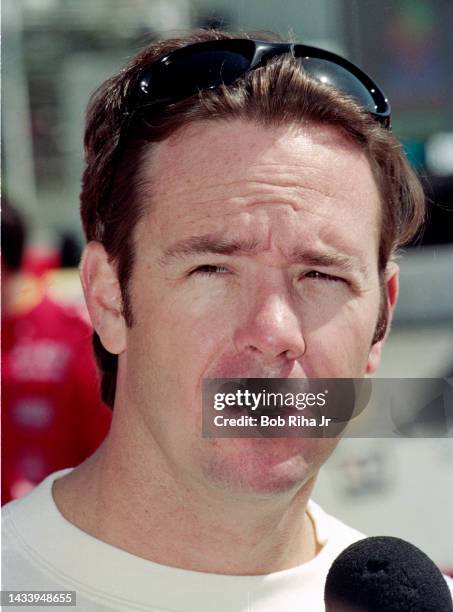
<point>271,329</point>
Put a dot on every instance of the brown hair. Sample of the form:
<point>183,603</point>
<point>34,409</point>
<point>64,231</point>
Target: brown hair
<point>276,94</point>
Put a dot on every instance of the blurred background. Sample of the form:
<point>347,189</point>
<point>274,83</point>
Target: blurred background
<point>56,52</point>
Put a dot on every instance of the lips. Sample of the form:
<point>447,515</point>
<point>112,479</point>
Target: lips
<point>240,366</point>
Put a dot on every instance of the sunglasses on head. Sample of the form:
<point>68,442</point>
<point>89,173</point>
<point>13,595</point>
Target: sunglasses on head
<point>207,65</point>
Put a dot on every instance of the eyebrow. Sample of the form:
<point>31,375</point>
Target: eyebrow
<point>329,259</point>
<point>209,244</point>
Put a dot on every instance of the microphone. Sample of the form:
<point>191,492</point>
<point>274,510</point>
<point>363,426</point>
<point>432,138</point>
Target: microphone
<point>385,573</point>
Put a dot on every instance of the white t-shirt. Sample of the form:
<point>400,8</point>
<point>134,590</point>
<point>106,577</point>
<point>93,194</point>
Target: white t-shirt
<point>44,551</point>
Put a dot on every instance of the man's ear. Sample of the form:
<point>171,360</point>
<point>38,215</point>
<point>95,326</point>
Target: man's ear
<point>391,296</point>
<point>103,297</point>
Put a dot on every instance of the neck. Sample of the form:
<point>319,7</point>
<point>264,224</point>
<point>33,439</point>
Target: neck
<point>132,500</point>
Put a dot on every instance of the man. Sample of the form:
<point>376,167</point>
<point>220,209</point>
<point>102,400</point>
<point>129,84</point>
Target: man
<point>52,416</point>
<point>242,216</point>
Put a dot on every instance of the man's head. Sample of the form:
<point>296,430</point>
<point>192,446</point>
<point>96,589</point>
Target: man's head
<point>114,199</point>
<point>245,231</point>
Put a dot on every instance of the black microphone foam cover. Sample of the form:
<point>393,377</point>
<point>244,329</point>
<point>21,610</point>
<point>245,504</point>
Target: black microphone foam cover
<point>385,574</point>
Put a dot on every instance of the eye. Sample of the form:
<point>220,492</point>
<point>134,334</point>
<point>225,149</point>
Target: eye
<point>314,274</point>
<point>209,270</point>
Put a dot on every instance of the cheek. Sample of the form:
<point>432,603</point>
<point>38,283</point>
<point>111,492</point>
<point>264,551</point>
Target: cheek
<point>181,328</point>
<point>339,346</point>
<point>200,325</point>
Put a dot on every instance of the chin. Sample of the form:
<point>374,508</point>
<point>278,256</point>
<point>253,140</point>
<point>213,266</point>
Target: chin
<point>262,467</point>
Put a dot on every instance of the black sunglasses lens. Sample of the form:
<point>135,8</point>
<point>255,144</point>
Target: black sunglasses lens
<point>336,76</point>
<point>207,65</point>
<point>187,74</point>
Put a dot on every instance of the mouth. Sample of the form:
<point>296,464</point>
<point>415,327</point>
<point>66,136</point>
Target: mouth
<point>247,366</point>
<point>255,407</point>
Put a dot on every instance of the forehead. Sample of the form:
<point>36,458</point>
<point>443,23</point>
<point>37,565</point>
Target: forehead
<point>294,182</point>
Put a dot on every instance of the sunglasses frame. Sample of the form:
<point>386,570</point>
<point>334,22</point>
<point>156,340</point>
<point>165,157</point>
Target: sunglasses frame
<point>146,94</point>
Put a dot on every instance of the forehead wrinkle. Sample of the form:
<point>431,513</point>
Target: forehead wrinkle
<point>187,188</point>
<point>208,244</point>
<point>266,178</point>
<point>289,177</point>
<point>254,194</point>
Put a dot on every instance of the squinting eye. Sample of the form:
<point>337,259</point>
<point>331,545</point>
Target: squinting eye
<point>322,276</point>
<point>210,269</point>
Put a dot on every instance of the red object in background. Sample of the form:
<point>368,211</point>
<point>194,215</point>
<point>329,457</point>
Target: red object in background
<point>52,415</point>
<point>38,260</point>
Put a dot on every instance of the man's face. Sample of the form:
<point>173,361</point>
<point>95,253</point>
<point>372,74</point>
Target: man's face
<point>257,258</point>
